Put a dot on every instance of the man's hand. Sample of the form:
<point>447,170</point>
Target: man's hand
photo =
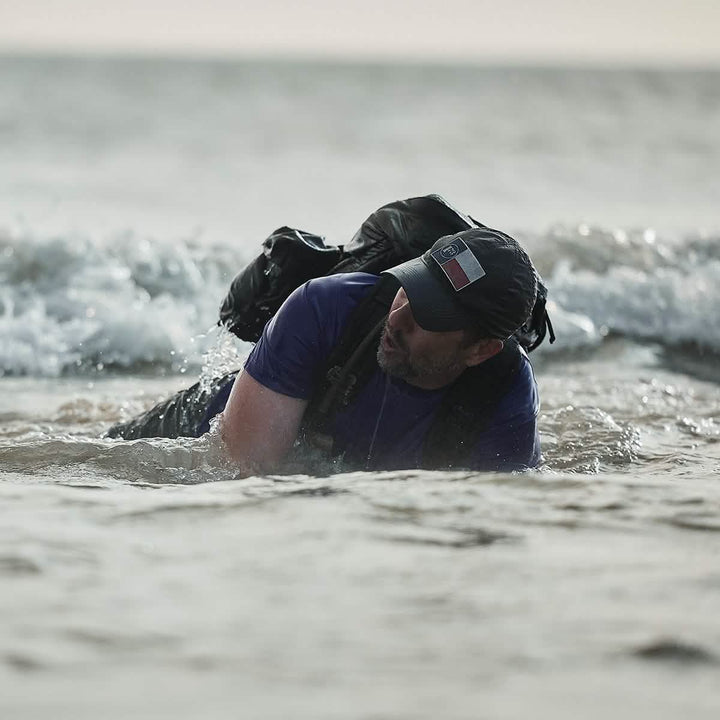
<point>259,425</point>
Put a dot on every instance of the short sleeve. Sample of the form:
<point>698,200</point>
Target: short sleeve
<point>296,343</point>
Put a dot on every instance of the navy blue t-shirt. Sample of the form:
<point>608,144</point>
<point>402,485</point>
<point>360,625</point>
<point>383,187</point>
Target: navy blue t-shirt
<point>290,358</point>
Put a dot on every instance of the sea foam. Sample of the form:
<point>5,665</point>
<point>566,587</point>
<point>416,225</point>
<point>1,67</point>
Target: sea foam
<point>634,284</point>
<point>78,303</point>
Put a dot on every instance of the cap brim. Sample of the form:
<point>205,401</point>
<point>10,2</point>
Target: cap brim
<point>432,304</point>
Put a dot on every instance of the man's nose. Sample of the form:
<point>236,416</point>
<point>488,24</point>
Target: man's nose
<point>401,319</point>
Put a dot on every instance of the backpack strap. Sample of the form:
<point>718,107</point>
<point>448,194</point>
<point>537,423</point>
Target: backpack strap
<point>351,362</point>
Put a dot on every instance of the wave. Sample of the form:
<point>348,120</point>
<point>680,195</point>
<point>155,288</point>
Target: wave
<point>74,303</point>
<point>78,303</point>
<point>632,283</point>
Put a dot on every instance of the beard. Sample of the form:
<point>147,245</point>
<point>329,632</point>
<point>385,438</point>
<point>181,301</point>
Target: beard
<point>399,367</point>
<point>399,362</point>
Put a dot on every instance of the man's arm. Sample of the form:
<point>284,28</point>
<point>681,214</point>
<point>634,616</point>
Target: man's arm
<point>259,425</point>
<point>263,414</point>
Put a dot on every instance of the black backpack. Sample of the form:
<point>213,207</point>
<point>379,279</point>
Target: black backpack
<point>393,234</point>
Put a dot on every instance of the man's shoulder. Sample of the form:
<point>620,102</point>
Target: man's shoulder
<point>509,439</point>
<point>300,337</point>
<point>328,300</point>
<point>352,285</point>
<point>521,402</point>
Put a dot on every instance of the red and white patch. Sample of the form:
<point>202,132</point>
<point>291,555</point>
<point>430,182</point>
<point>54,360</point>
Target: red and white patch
<point>458,263</point>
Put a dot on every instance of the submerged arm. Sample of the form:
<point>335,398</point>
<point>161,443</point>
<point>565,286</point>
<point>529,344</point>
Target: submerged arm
<point>259,425</point>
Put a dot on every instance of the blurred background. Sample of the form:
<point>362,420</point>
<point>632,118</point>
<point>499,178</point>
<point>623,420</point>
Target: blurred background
<point>225,118</point>
<point>147,148</point>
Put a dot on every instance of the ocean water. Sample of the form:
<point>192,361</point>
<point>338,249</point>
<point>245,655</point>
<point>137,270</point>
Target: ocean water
<point>147,579</point>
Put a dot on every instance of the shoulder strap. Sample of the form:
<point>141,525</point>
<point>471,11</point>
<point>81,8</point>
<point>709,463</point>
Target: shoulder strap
<point>351,362</point>
<point>468,407</point>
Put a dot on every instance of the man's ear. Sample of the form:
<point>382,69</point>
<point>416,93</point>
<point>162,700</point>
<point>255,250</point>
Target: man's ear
<point>483,350</point>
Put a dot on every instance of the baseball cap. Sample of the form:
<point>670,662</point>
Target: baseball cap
<point>477,278</point>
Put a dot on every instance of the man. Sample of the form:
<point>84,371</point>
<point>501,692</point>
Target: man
<point>446,385</point>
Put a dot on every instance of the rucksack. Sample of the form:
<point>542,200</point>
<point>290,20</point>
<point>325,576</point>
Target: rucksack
<point>396,232</point>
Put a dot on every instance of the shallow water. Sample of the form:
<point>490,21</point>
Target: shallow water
<point>147,579</point>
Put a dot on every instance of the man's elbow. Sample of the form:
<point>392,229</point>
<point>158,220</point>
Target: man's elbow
<point>250,457</point>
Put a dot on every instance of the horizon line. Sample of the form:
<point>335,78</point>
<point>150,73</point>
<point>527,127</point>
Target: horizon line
<point>378,59</point>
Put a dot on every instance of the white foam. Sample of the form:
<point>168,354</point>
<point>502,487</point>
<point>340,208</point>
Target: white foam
<point>72,302</point>
<point>634,284</point>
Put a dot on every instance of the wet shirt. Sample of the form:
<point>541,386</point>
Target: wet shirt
<point>386,425</point>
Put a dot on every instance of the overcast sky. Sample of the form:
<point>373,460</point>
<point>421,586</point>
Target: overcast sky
<point>606,31</point>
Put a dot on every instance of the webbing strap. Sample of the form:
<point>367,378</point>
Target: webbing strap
<point>351,361</point>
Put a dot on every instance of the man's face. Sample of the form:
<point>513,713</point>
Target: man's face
<point>426,359</point>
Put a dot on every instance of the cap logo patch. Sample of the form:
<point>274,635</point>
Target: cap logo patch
<point>449,251</point>
<point>458,263</point>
